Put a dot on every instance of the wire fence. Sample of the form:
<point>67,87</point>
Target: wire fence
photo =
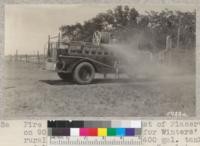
<point>36,59</point>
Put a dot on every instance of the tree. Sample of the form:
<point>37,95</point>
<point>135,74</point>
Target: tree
<point>118,13</point>
<point>126,22</point>
<point>133,14</point>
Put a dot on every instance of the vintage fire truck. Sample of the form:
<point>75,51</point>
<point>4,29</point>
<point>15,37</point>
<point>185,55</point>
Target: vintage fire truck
<point>79,61</point>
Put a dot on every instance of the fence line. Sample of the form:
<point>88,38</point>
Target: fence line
<point>33,58</point>
<point>37,59</point>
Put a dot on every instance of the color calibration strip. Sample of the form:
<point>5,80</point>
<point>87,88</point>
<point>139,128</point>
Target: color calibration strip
<point>94,128</point>
<point>94,131</point>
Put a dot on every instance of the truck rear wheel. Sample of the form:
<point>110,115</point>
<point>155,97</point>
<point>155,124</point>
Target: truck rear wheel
<point>65,76</point>
<point>84,73</point>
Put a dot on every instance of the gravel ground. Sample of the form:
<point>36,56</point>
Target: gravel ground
<point>30,90</point>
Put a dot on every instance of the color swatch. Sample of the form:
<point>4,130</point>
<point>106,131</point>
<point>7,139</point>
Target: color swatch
<point>93,132</point>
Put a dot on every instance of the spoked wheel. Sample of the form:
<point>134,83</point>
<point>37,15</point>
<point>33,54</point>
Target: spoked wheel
<point>84,73</point>
<point>65,76</point>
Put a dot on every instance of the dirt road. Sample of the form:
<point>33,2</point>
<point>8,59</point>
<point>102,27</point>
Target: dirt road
<point>33,91</point>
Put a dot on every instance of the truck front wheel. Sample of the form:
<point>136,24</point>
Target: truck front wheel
<point>84,73</point>
<point>65,76</point>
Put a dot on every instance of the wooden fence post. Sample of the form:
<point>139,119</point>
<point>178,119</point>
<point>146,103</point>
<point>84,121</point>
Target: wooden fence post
<point>44,57</point>
<point>38,57</point>
<point>59,39</point>
<point>26,58</point>
<point>10,58</point>
<point>16,55</point>
<point>178,33</point>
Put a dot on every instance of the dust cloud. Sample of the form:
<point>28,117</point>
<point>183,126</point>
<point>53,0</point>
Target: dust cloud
<point>141,62</point>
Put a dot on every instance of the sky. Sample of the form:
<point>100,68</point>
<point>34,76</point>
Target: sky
<point>27,26</point>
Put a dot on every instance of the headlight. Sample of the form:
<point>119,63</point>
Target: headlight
<point>60,65</point>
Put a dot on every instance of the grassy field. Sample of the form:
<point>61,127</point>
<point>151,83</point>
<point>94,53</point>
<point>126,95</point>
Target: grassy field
<point>29,90</point>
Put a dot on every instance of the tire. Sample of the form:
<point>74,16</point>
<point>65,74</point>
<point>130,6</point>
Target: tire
<point>84,73</point>
<point>65,76</point>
